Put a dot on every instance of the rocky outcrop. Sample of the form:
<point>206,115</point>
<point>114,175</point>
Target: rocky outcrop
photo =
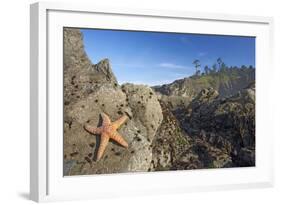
<point>170,142</point>
<point>174,149</point>
<point>227,124</point>
<point>227,82</point>
<point>92,89</point>
<point>81,77</point>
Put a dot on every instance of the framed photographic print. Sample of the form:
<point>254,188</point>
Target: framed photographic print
<point>143,101</point>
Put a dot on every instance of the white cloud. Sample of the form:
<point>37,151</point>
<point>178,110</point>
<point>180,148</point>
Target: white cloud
<point>202,54</point>
<point>185,40</point>
<point>163,65</point>
<point>172,65</point>
<point>132,65</point>
<point>149,83</point>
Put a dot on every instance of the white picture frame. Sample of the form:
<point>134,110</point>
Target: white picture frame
<point>46,178</point>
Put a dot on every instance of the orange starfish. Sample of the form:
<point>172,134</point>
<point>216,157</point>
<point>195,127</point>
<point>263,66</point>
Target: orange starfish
<point>108,130</point>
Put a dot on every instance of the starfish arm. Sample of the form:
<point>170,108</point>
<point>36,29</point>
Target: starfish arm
<point>93,130</point>
<point>105,119</point>
<point>103,143</point>
<point>119,122</point>
<point>118,138</point>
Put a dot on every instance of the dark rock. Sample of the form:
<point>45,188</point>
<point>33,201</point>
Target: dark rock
<point>169,142</point>
<point>246,157</point>
<point>225,124</point>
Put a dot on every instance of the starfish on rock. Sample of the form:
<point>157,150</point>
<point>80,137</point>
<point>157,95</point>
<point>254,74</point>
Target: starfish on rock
<point>108,130</point>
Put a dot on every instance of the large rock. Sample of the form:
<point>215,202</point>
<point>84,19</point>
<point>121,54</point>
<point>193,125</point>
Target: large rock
<point>81,77</point>
<point>145,115</point>
<point>92,89</point>
<point>174,149</point>
<point>227,124</point>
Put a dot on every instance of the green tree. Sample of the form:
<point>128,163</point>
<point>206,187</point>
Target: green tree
<point>223,66</point>
<point>219,61</point>
<point>197,65</point>
<point>207,70</point>
<point>214,68</point>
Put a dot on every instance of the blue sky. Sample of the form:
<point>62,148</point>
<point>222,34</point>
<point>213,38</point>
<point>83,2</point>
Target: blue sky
<point>155,58</point>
